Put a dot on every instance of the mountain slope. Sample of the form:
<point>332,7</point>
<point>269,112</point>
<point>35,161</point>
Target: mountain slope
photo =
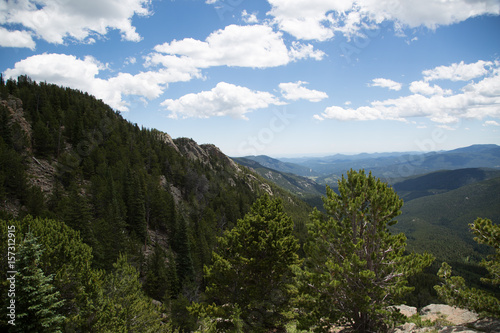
<point>70,157</point>
<point>301,186</point>
<point>439,223</point>
<point>441,182</point>
<point>282,166</point>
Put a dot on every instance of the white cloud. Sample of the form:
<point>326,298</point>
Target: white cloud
<point>70,71</point>
<point>55,20</point>
<point>320,19</point>
<point>386,83</point>
<point>476,100</point>
<point>225,99</point>
<point>249,18</point>
<point>295,91</point>
<point>255,46</point>
<point>491,123</point>
<point>243,46</point>
<point>130,60</point>
<point>424,88</point>
<point>458,72</point>
<point>16,38</point>
<point>303,51</point>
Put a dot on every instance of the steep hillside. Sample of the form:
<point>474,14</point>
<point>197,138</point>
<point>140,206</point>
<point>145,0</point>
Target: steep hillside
<point>440,223</point>
<point>301,186</point>
<point>441,182</point>
<point>68,156</point>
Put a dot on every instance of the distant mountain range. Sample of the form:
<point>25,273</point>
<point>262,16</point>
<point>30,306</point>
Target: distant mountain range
<point>306,188</point>
<point>392,167</point>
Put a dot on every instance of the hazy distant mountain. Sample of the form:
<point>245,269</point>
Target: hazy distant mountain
<point>301,186</point>
<point>283,166</point>
<point>441,181</point>
<point>393,167</point>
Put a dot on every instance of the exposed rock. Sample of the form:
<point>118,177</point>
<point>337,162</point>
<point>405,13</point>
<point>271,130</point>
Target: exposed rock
<point>15,108</point>
<point>213,150</point>
<point>164,137</point>
<point>42,174</point>
<point>192,150</point>
<point>447,319</point>
<point>266,188</point>
<point>451,314</point>
<point>487,325</point>
<point>406,310</point>
<point>176,193</point>
<point>251,179</point>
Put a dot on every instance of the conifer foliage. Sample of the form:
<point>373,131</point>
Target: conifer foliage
<point>38,301</point>
<point>454,290</point>
<point>355,268</point>
<point>253,268</point>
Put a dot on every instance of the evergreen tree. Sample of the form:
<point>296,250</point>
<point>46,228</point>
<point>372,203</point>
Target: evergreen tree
<point>132,311</point>
<point>134,199</point>
<point>42,140</point>
<point>253,267</point>
<point>156,282</point>
<point>37,301</point>
<point>355,267</point>
<point>454,290</point>
<point>180,244</point>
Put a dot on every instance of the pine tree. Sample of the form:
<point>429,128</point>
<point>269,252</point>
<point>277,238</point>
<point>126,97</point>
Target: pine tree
<point>37,301</point>
<point>454,290</point>
<point>42,140</point>
<point>355,266</point>
<point>156,282</point>
<point>132,310</point>
<point>253,267</point>
<point>180,244</point>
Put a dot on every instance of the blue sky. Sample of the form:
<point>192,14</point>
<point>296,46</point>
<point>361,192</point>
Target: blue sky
<point>276,77</point>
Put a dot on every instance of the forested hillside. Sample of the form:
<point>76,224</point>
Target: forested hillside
<point>68,157</point>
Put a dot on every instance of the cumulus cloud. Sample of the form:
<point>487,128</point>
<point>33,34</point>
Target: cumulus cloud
<point>475,100</point>
<point>255,46</point>
<point>82,74</point>
<point>386,83</point>
<point>295,91</point>
<point>16,38</point>
<point>320,19</point>
<point>458,72</point>
<point>424,88</point>
<point>249,18</point>
<point>55,20</point>
<point>491,123</point>
<point>225,99</point>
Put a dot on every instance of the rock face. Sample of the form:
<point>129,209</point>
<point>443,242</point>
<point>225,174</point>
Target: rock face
<point>454,315</point>
<point>446,319</point>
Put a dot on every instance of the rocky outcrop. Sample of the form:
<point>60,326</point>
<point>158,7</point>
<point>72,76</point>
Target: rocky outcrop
<point>190,149</point>
<point>219,157</point>
<point>167,139</point>
<point>42,174</point>
<point>452,314</point>
<point>445,319</point>
<point>15,108</point>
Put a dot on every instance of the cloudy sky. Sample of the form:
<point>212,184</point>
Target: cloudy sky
<point>275,77</point>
